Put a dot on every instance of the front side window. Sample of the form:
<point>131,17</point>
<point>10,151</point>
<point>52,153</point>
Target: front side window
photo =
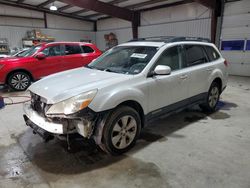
<point>72,49</point>
<point>232,45</point>
<point>124,59</point>
<point>52,51</point>
<point>212,53</point>
<point>195,55</point>
<point>171,57</point>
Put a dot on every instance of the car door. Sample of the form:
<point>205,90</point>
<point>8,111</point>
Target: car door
<point>200,68</point>
<point>73,57</point>
<point>52,62</point>
<point>167,91</point>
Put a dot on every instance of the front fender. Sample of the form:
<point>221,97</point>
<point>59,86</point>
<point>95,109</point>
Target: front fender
<point>106,100</point>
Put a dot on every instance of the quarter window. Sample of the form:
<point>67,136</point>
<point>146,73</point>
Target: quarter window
<point>87,49</point>
<point>195,55</point>
<point>72,49</point>
<point>232,45</point>
<point>171,57</point>
<point>52,51</point>
<point>212,53</point>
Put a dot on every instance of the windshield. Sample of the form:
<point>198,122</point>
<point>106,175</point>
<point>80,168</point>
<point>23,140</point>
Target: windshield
<point>30,51</point>
<point>124,59</point>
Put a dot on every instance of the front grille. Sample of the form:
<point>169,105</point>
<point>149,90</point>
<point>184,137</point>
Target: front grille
<point>37,104</point>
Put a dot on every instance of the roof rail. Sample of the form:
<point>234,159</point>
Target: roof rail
<point>168,39</point>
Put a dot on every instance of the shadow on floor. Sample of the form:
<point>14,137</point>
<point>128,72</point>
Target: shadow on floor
<point>84,156</point>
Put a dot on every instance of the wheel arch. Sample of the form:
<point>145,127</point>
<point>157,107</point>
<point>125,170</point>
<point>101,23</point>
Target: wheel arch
<point>218,80</point>
<point>135,105</point>
<point>18,70</point>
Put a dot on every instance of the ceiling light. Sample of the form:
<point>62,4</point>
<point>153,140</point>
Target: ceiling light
<point>53,7</point>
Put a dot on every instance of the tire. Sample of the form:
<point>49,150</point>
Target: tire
<point>117,136</point>
<point>19,81</point>
<point>212,98</point>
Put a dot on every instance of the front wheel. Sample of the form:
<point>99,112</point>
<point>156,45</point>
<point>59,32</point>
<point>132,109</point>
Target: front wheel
<point>19,81</point>
<point>121,130</point>
<point>212,98</point>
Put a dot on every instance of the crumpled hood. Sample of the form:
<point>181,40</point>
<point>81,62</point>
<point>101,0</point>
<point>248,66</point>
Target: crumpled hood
<point>67,84</point>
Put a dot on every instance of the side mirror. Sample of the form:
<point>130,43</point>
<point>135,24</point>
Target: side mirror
<point>40,56</point>
<point>162,70</point>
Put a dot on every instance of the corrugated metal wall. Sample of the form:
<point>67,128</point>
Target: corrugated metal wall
<point>61,28</point>
<point>190,19</point>
<point>236,22</point>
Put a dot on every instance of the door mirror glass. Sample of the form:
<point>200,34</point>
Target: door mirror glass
<point>162,70</point>
<point>40,56</point>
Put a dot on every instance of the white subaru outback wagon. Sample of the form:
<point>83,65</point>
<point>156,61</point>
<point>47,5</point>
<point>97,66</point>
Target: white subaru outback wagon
<point>116,95</point>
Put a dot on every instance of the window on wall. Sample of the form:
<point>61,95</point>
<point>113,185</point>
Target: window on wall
<point>248,45</point>
<point>232,45</point>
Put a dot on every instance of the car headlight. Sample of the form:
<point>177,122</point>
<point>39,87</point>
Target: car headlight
<point>1,66</point>
<point>73,104</point>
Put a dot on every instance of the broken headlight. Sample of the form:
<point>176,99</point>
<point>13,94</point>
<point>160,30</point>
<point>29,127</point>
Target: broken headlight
<point>72,105</point>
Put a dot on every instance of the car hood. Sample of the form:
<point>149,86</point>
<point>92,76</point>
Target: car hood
<point>67,84</point>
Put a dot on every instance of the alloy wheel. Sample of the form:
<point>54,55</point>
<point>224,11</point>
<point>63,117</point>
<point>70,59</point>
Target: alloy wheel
<point>213,97</point>
<point>124,132</point>
<point>20,81</point>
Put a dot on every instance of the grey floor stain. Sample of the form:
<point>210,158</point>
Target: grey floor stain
<point>219,115</point>
<point>30,161</point>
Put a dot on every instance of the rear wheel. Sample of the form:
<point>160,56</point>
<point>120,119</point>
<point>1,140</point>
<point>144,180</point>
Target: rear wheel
<point>19,81</point>
<point>212,98</point>
<point>121,130</point>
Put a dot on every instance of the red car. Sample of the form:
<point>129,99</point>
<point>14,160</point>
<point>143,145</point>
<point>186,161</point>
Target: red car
<point>43,60</point>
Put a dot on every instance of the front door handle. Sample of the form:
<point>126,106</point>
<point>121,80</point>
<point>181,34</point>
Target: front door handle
<point>183,77</point>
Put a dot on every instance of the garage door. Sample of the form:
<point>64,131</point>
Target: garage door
<point>235,37</point>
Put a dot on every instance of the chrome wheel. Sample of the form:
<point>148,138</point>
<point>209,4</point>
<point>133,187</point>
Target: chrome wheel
<point>213,97</point>
<point>20,81</point>
<point>124,132</point>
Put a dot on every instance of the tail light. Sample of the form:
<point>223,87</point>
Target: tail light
<point>226,63</point>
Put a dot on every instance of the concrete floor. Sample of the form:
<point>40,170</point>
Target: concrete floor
<point>190,149</point>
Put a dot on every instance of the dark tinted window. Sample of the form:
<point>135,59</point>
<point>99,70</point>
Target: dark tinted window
<point>171,57</point>
<point>248,45</point>
<point>52,51</point>
<point>195,55</point>
<point>212,53</point>
<point>87,49</point>
<point>72,49</point>
<point>232,45</point>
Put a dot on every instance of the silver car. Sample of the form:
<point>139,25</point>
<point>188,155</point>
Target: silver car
<point>116,95</point>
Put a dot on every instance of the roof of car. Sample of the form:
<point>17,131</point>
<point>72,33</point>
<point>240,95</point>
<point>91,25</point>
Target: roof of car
<point>67,43</point>
<point>162,40</point>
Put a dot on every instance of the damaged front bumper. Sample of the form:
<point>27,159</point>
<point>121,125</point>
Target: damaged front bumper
<point>82,122</point>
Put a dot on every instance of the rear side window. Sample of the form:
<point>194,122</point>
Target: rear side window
<point>195,55</point>
<point>232,45</point>
<point>72,49</point>
<point>87,49</point>
<point>212,53</point>
<point>248,45</point>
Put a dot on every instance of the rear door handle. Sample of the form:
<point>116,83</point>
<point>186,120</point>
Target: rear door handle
<point>183,77</point>
<point>209,69</point>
